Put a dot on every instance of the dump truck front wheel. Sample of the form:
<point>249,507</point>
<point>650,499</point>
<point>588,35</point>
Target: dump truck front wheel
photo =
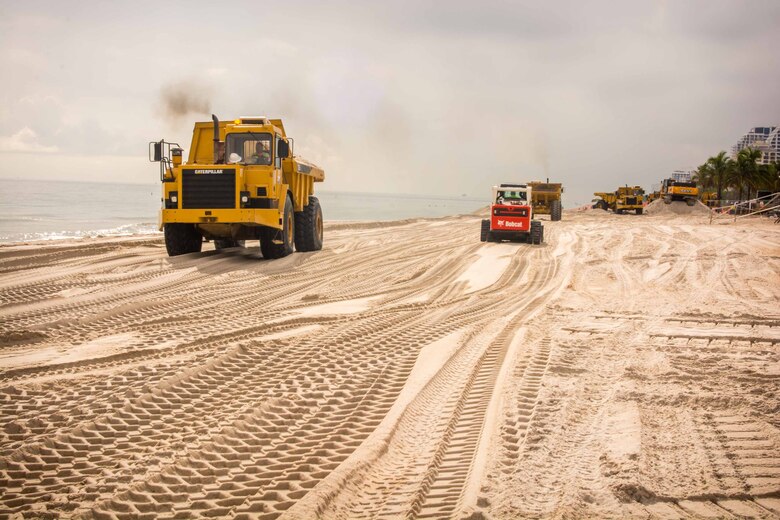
<point>278,243</point>
<point>308,227</point>
<point>484,230</point>
<point>181,239</point>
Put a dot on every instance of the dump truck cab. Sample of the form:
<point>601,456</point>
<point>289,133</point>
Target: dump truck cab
<point>511,216</point>
<point>241,182</point>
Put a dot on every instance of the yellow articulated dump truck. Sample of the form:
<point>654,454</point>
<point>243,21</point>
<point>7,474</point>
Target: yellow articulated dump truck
<point>241,182</point>
<point>625,198</point>
<point>546,198</point>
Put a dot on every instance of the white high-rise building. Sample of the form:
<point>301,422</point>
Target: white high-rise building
<point>764,138</point>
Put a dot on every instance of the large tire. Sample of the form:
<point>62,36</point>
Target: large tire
<point>226,243</point>
<point>284,236</point>
<point>639,211</point>
<point>308,227</point>
<point>690,202</point>
<point>484,231</point>
<point>556,210</point>
<point>536,232</point>
<point>181,239</point>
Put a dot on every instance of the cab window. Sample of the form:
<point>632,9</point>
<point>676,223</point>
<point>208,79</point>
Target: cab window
<point>249,148</point>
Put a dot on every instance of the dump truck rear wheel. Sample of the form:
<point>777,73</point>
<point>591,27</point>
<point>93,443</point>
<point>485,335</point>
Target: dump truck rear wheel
<point>269,248</point>
<point>484,231</point>
<point>221,244</point>
<point>181,239</point>
<point>308,227</point>
<point>555,210</point>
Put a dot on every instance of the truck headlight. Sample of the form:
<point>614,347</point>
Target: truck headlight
<point>244,199</point>
<point>174,199</point>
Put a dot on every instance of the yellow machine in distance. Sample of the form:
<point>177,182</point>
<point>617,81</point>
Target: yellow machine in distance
<point>241,182</point>
<point>546,198</point>
<point>679,190</point>
<point>625,198</point>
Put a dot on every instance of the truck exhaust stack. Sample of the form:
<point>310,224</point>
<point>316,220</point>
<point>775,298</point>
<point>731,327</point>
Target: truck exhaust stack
<point>216,138</point>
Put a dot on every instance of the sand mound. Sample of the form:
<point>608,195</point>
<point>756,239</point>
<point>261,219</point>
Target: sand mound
<point>657,207</point>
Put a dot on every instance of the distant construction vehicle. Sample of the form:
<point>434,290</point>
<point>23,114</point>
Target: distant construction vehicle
<point>625,198</point>
<point>546,198</point>
<point>679,190</point>
<point>241,182</point>
<point>511,216</point>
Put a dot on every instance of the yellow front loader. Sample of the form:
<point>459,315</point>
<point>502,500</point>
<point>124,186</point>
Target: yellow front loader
<point>241,182</point>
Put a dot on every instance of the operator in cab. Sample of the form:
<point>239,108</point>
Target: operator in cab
<point>261,156</point>
<point>511,197</point>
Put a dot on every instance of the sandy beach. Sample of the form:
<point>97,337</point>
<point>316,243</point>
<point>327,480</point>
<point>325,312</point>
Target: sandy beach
<point>627,368</point>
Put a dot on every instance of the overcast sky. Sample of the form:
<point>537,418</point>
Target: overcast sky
<point>404,97</point>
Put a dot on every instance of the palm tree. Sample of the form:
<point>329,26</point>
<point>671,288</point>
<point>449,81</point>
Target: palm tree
<point>746,169</point>
<point>717,172</point>
<point>769,177</point>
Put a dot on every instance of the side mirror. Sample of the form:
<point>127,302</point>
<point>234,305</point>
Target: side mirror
<point>284,149</point>
<point>157,151</point>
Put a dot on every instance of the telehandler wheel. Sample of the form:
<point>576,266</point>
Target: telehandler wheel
<point>639,211</point>
<point>690,202</point>
<point>484,231</point>
<point>308,227</point>
<point>536,232</point>
<point>284,236</point>
<point>181,239</point>
<point>555,210</point>
<point>226,243</point>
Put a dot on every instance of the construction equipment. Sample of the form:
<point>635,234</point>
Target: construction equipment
<point>546,198</point>
<point>708,198</point>
<point>680,187</point>
<point>241,182</point>
<point>625,198</point>
<point>652,196</point>
<point>511,216</point>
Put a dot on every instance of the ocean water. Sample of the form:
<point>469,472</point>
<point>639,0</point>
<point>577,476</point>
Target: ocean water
<point>36,210</point>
